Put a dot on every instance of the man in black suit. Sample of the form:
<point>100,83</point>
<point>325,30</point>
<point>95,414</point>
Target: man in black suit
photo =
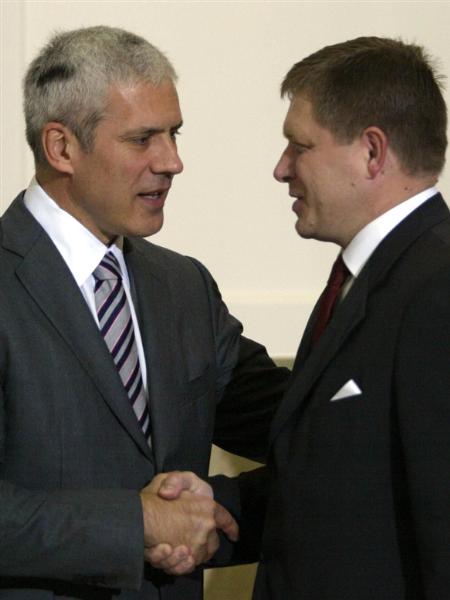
<point>355,501</point>
<point>118,358</point>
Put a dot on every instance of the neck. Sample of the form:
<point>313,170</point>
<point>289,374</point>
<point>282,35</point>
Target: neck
<point>395,190</point>
<point>56,185</point>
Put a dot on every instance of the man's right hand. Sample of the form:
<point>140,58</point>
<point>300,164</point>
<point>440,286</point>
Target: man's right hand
<point>182,528</point>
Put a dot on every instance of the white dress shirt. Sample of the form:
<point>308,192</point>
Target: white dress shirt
<point>81,251</point>
<point>362,246</point>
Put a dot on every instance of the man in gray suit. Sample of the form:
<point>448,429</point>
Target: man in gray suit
<point>118,358</point>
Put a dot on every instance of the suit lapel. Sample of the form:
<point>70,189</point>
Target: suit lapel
<point>310,365</point>
<point>165,368</point>
<point>305,343</point>
<point>45,276</point>
<point>351,312</point>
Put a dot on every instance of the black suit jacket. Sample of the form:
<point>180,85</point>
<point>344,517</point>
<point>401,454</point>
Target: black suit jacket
<point>72,456</point>
<point>358,488</point>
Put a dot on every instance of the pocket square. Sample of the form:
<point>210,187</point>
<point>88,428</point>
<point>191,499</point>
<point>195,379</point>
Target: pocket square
<point>351,388</point>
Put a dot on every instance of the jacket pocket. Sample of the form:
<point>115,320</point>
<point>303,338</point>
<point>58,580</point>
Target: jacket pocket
<point>198,386</point>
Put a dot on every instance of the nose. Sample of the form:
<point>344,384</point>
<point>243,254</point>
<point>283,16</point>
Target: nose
<point>167,160</point>
<point>283,168</point>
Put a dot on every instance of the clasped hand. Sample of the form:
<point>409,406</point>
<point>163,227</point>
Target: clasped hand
<point>181,520</point>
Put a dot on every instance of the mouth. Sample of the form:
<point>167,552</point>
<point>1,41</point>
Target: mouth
<point>155,198</point>
<point>298,201</point>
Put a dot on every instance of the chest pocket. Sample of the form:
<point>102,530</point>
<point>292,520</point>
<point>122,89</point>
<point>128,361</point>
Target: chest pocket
<point>197,387</point>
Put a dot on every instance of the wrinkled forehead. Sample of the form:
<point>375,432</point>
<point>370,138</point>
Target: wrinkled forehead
<point>140,98</point>
<point>126,90</point>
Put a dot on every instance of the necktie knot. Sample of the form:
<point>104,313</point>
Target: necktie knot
<point>109,268</point>
<point>338,274</point>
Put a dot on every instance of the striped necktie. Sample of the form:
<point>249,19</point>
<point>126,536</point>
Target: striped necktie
<point>116,327</point>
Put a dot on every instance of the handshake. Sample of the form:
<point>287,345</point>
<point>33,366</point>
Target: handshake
<point>181,521</point>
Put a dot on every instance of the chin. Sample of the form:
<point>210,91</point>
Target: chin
<point>151,229</point>
<point>302,232</point>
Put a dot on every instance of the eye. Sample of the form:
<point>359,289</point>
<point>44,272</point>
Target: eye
<point>174,134</point>
<point>141,140</point>
<point>299,148</point>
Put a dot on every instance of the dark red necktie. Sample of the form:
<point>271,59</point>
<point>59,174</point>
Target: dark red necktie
<point>338,275</point>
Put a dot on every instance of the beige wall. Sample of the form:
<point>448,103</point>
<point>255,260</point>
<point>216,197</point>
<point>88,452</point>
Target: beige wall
<point>225,209</point>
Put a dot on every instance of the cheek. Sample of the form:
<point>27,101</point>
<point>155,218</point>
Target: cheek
<point>299,169</point>
<point>133,171</point>
<point>119,165</point>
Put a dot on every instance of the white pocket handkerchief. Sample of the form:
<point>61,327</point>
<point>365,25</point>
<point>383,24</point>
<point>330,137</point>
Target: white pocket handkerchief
<point>351,388</point>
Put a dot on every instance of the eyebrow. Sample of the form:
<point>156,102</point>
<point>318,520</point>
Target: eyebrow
<point>287,132</point>
<point>293,139</point>
<point>290,137</point>
<point>149,131</point>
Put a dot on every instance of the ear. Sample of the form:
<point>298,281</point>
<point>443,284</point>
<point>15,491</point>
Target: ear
<point>60,146</point>
<point>376,144</point>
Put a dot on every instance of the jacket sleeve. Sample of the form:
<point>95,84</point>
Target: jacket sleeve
<point>249,389</point>
<point>245,497</point>
<point>92,538</point>
<point>249,402</point>
<point>58,534</point>
<point>249,384</point>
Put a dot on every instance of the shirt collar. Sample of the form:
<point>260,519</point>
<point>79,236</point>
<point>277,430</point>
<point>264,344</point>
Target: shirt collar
<point>80,249</point>
<point>358,252</point>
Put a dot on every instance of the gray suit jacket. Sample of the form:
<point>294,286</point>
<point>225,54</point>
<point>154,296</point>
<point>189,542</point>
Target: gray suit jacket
<point>72,456</point>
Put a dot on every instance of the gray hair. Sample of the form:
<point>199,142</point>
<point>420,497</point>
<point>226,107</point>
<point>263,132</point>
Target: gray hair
<point>69,80</point>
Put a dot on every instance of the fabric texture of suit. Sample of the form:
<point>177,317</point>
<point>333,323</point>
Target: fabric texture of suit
<point>358,486</point>
<point>72,455</point>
